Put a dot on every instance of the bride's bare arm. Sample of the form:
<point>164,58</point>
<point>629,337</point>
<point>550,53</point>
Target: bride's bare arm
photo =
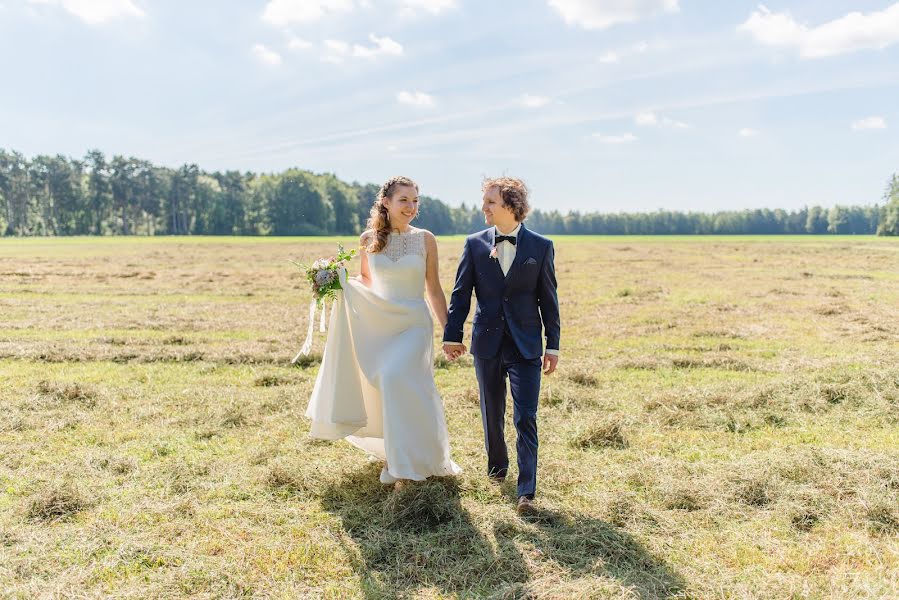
<point>436,299</point>
<point>364,274</point>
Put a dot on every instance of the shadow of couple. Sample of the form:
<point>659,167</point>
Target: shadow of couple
<point>421,537</point>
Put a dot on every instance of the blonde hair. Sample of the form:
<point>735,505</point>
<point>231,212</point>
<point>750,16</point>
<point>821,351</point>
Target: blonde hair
<point>379,220</point>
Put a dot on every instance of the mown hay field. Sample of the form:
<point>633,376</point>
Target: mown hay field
<point>724,423</point>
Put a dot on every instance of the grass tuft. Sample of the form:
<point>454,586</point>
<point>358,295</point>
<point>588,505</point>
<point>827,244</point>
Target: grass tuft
<point>609,434</point>
<point>68,392</point>
<point>883,518</point>
<point>183,477</point>
<point>583,377</point>
<point>442,362</point>
<point>423,506</point>
<point>233,415</point>
<point>471,396</point>
<point>272,380</point>
<point>754,492</point>
<point>685,499</point>
<point>804,519</point>
<point>308,360</point>
<point>56,501</point>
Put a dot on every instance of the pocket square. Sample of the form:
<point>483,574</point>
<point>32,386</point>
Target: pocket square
<point>530,261</point>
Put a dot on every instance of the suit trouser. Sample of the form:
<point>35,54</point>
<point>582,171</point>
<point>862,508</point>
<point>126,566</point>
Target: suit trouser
<point>524,380</point>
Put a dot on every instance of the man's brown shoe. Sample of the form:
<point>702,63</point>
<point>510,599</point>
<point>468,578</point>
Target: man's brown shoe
<point>525,506</point>
<point>497,479</point>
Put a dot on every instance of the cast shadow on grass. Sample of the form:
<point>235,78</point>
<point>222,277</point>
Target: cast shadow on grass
<point>582,546</point>
<point>423,538</point>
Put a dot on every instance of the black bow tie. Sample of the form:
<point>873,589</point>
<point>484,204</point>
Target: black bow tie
<point>504,238</point>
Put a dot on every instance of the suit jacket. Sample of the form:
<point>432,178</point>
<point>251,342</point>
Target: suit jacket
<point>524,301</point>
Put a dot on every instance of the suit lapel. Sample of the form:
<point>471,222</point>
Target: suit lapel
<point>496,269</point>
<point>521,244</point>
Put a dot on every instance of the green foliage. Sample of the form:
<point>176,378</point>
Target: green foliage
<point>298,206</point>
<point>816,222</point>
<point>435,216</point>
<point>344,201</point>
<point>889,221</point>
<point>14,189</point>
<point>129,196</point>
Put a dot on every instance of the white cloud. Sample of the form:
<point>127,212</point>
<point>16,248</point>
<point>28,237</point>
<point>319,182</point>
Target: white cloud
<point>650,119</point>
<point>852,32</point>
<point>336,51</point>
<point>298,43</point>
<point>97,12</point>
<point>600,14</point>
<point>869,123</point>
<point>646,119</point>
<point>614,56</point>
<point>529,101</point>
<point>609,58</point>
<point>415,98</point>
<point>337,46</point>
<point>285,12</point>
<point>624,138</point>
<point>747,132</point>
<point>434,7</point>
<point>266,55</point>
<point>383,46</point>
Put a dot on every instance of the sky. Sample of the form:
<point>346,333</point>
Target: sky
<point>599,105</point>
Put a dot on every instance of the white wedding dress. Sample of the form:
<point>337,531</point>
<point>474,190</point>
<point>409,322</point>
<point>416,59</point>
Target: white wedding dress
<point>376,385</point>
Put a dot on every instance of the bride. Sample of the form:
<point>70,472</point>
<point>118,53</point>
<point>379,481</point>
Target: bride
<point>376,385</point>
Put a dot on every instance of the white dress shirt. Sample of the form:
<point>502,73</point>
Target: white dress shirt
<point>505,251</point>
<point>505,254</point>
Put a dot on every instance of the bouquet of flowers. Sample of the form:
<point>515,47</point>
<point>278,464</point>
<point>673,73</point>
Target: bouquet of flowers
<point>323,274</point>
<point>324,277</point>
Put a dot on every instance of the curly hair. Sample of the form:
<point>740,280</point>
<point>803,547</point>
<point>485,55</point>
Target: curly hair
<point>379,220</point>
<point>513,192</point>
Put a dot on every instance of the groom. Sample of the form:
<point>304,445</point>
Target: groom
<point>510,269</point>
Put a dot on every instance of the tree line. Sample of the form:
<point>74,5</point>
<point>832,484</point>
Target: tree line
<point>96,195</point>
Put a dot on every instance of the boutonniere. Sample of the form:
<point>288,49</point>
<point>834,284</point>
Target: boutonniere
<point>493,254</point>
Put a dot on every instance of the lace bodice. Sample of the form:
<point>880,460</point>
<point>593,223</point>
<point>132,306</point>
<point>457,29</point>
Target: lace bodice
<point>398,271</point>
<point>404,244</point>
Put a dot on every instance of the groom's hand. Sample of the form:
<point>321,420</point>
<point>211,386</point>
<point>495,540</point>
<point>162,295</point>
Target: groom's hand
<point>549,363</point>
<point>454,351</point>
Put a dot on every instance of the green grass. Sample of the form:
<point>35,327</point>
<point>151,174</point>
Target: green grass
<point>724,424</point>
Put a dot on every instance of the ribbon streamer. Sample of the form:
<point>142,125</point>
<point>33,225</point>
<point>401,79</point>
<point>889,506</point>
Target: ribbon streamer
<point>307,345</point>
<point>322,323</point>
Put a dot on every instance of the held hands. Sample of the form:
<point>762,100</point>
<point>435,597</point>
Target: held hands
<point>549,363</point>
<point>454,351</point>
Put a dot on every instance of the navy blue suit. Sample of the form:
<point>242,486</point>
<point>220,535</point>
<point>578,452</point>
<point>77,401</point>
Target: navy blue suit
<point>513,313</point>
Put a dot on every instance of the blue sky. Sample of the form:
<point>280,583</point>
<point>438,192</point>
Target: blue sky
<point>600,105</point>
